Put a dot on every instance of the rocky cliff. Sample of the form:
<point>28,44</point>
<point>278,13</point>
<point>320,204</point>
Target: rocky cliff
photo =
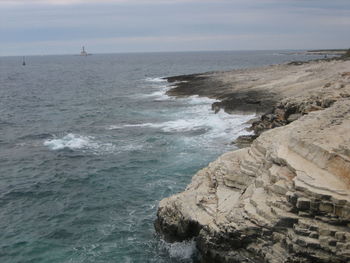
<point>286,198</point>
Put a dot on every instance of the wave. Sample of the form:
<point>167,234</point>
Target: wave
<point>169,126</point>
<point>209,123</point>
<point>157,79</point>
<point>159,95</point>
<point>78,142</point>
<point>161,86</point>
<point>193,117</point>
<point>180,250</point>
<point>195,99</point>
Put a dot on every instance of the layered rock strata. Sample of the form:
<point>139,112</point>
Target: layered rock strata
<point>286,198</point>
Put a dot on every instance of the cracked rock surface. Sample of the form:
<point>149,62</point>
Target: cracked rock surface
<point>286,198</point>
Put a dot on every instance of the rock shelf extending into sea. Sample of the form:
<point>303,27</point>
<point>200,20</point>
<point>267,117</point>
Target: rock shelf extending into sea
<point>285,195</point>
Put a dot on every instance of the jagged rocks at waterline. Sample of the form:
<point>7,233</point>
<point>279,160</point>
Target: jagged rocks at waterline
<point>286,198</point>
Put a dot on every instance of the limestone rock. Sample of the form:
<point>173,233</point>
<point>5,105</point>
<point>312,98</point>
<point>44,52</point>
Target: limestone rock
<point>286,198</point>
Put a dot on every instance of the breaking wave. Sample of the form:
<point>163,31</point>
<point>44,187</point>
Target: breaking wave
<point>158,79</point>
<point>160,95</point>
<point>181,250</point>
<point>78,142</point>
<point>198,118</point>
<point>195,99</point>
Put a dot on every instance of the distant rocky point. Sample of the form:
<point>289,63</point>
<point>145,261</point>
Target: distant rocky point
<point>327,52</point>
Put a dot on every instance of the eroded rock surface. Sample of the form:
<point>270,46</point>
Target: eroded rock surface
<point>286,198</point>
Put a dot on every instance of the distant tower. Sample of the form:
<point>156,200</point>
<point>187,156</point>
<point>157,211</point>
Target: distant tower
<point>83,52</point>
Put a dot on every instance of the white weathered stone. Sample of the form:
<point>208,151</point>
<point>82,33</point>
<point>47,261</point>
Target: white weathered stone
<point>286,195</point>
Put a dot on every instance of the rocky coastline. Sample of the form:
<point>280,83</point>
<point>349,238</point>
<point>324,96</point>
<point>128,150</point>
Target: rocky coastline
<point>285,195</point>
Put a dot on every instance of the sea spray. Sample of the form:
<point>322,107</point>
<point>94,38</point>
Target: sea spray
<point>74,142</point>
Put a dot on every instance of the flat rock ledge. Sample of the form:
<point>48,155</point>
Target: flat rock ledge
<point>286,198</point>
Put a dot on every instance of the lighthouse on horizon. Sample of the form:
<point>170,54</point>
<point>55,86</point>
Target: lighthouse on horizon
<point>83,52</point>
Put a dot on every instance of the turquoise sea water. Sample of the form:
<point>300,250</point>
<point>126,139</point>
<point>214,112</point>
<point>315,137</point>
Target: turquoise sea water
<point>90,145</point>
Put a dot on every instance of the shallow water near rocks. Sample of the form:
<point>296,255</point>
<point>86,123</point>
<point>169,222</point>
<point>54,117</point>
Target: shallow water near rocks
<point>90,145</point>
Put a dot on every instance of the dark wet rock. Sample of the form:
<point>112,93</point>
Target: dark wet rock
<point>231,102</point>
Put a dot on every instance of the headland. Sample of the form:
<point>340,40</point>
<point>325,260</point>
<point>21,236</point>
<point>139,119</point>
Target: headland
<point>285,195</point>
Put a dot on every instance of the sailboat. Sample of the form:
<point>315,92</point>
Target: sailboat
<point>24,62</point>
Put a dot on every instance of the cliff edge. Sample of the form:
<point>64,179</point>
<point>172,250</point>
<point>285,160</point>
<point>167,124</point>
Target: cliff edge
<point>286,197</point>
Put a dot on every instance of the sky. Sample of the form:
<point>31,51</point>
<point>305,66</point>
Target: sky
<point>115,26</point>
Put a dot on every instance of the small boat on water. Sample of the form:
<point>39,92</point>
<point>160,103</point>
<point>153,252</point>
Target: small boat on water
<point>24,62</point>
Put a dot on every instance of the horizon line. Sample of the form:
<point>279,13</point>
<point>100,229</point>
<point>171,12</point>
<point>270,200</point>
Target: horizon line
<point>183,51</point>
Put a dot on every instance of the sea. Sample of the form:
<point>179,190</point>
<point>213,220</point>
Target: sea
<point>90,145</point>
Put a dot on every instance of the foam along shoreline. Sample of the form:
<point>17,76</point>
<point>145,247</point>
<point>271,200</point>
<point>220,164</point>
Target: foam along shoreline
<point>286,197</point>
<point>197,115</point>
<point>265,91</point>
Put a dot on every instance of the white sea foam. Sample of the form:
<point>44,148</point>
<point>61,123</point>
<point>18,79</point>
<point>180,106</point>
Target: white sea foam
<point>181,250</point>
<point>78,142</point>
<point>199,100</point>
<point>114,127</point>
<point>71,141</point>
<point>180,125</point>
<point>194,117</point>
<point>159,90</point>
<point>158,79</point>
<point>159,95</point>
<point>199,118</point>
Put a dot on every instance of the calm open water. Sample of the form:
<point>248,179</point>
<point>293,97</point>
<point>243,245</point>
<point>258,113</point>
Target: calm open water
<point>90,145</point>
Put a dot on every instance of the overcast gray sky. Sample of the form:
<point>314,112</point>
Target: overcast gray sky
<point>106,26</point>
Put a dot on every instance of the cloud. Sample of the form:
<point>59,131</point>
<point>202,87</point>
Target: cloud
<point>76,2</point>
<point>60,2</point>
<point>151,25</point>
<point>261,3</point>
